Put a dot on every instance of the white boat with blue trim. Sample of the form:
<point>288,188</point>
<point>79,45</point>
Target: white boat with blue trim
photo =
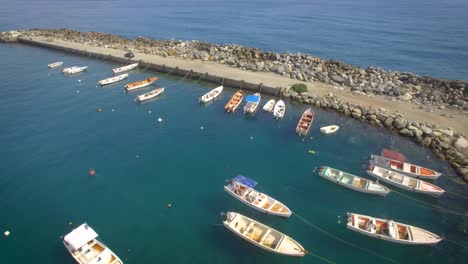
<point>242,188</point>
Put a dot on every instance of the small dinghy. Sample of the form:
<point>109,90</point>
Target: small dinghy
<point>279,110</point>
<point>253,101</point>
<point>67,70</point>
<point>234,102</point>
<point>263,236</point>
<point>140,84</point>
<point>55,64</point>
<point>242,188</point>
<point>211,95</point>
<point>329,129</point>
<point>351,181</point>
<point>268,107</point>
<point>150,95</point>
<point>390,230</point>
<point>83,245</point>
<point>114,79</point>
<point>403,181</point>
<point>405,168</point>
<point>304,124</point>
<point>125,68</point>
<point>74,70</point>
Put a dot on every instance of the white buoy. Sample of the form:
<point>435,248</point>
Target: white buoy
<point>160,120</point>
<point>201,128</point>
<point>7,233</point>
<point>251,137</point>
<point>113,110</point>
<point>137,156</point>
<point>149,111</point>
<point>79,80</point>
<point>77,91</point>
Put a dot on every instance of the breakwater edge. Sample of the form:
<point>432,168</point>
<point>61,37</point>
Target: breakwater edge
<point>355,92</point>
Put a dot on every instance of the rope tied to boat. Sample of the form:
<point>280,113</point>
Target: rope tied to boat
<point>319,257</point>
<point>147,66</point>
<point>344,241</point>
<point>431,205</point>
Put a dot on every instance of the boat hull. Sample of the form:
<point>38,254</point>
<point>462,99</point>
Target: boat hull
<point>353,187</point>
<point>378,160</point>
<point>329,129</point>
<point>82,261</point>
<point>142,98</point>
<point>125,68</point>
<point>211,95</point>
<point>429,238</point>
<point>402,186</point>
<point>113,79</point>
<point>299,252</point>
<point>284,215</point>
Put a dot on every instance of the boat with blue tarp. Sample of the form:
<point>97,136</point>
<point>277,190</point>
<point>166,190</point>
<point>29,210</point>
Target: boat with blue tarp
<point>242,188</point>
<point>253,101</point>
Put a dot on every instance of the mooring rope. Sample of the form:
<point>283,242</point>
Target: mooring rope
<point>454,242</point>
<point>431,205</point>
<point>174,83</point>
<point>319,257</point>
<point>147,66</point>
<point>344,241</point>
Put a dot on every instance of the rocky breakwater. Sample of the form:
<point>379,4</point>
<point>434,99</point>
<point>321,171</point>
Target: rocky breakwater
<point>444,142</point>
<point>427,92</point>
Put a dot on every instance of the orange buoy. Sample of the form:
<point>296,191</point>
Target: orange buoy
<point>92,172</point>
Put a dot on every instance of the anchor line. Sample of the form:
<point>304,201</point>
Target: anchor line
<point>319,257</point>
<point>344,241</point>
<point>431,205</point>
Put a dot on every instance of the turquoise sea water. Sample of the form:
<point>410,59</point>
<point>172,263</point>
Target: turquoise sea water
<point>429,37</point>
<point>51,135</point>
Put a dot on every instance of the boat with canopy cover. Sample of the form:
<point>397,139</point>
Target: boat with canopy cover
<point>253,101</point>
<point>242,188</point>
<point>83,245</point>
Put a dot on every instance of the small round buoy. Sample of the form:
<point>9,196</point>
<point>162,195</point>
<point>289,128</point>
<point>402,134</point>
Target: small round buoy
<point>79,80</point>
<point>70,223</point>
<point>77,91</point>
<point>149,112</point>
<point>160,120</point>
<point>7,233</point>
<point>251,137</point>
<point>169,205</point>
<point>201,128</point>
<point>99,110</point>
<point>113,110</point>
<point>92,172</point>
<point>137,156</point>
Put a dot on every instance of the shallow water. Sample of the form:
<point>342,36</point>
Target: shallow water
<point>51,135</point>
<point>428,37</point>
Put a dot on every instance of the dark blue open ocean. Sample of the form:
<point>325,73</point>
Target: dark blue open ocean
<point>51,135</point>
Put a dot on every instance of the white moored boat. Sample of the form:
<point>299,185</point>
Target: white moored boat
<point>55,64</point>
<point>83,245</point>
<point>253,101</point>
<point>263,236</point>
<point>67,70</point>
<point>268,107</point>
<point>403,181</point>
<point>404,168</point>
<point>150,95</point>
<point>114,79</point>
<point>242,188</point>
<point>390,230</point>
<point>125,68</point>
<point>329,129</point>
<point>76,70</point>
<point>279,110</point>
<point>211,95</point>
<point>351,181</point>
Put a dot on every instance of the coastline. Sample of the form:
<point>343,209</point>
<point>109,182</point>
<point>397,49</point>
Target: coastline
<point>408,118</point>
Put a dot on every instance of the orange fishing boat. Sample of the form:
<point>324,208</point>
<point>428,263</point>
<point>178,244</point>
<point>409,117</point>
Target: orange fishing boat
<point>235,101</point>
<point>140,84</point>
<point>305,122</point>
